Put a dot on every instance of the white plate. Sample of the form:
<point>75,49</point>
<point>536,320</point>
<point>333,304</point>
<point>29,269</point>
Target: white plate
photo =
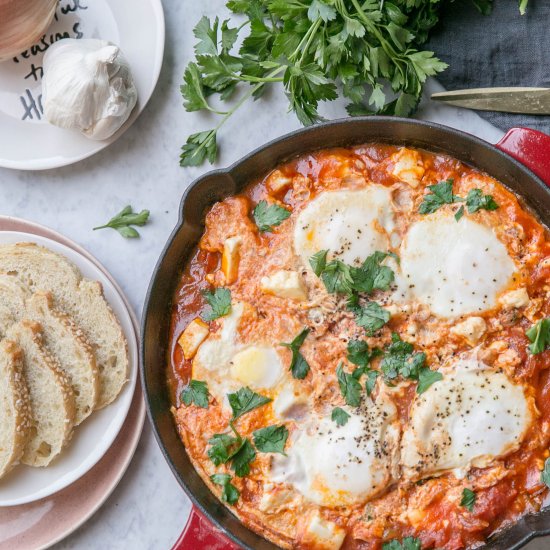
<point>27,141</point>
<point>94,436</point>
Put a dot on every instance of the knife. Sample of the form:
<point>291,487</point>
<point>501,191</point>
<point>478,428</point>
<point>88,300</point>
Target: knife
<point>532,101</point>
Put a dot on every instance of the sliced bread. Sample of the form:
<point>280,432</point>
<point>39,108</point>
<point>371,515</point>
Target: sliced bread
<point>51,397</point>
<point>83,300</point>
<point>15,412</point>
<point>61,338</point>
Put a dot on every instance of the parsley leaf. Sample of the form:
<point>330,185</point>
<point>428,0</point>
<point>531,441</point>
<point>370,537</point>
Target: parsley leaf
<point>123,221</point>
<point>459,213</point>
<point>349,386</point>
<point>359,353</point>
<point>318,262</point>
<point>401,360</point>
<point>199,146</point>
<point>196,392</point>
<point>372,376</point>
<point>427,377</point>
<point>245,400</point>
<point>298,366</point>
<point>476,200</point>
<point>545,474</point>
<point>539,336</point>
<point>230,493</point>
<point>337,278</point>
<point>219,302</point>
<point>468,499</point>
<point>371,275</point>
<point>271,439</point>
<point>371,317</point>
<point>441,193</point>
<point>340,416</point>
<point>224,446</point>
<point>408,543</point>
<point>241,460</point>
<point>267,216</point>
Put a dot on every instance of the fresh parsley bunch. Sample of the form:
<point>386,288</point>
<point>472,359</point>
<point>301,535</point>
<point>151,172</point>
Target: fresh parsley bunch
<point>368,51</point>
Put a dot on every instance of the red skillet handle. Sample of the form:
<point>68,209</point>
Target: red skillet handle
<point>200,534</point>
<point>531,148</point>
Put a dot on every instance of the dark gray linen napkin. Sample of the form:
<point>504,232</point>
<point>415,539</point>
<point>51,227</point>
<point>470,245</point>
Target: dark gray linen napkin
<point>501,49</point>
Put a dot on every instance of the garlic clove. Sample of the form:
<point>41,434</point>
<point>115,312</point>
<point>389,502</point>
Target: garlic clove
<point>87,86</point>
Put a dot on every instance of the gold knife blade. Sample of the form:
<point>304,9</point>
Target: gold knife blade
<point>532,101</point>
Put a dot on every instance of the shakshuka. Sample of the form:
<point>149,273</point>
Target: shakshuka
<point>359,353</point>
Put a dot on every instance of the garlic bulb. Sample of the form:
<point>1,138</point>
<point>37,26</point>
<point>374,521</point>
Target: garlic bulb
<point>87,86</point>
<point>22,23</point>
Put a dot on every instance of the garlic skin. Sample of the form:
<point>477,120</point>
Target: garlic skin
<point>87,86</point>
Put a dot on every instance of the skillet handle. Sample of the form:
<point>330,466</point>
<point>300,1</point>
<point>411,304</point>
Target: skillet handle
<point>199,533</point>
<point>531,148</point>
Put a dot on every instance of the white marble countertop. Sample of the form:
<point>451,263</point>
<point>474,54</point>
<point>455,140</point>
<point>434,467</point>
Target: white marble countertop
<point>148,509</point>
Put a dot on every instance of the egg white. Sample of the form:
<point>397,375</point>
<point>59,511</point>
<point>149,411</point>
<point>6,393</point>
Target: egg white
<point>453,267</point>
<point>468,419</point>
<point>335,465</point>
<point>351,225</point>
<point>228,365</point>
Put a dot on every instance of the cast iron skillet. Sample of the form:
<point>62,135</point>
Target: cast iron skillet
<point>529,147</point>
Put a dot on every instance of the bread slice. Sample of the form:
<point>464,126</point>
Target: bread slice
<point>15,411</point>
<point>61,338</point>
<point>51,397</point>
<point>83,300</point>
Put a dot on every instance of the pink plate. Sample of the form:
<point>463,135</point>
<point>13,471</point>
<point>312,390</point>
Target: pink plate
<point>45,522</point>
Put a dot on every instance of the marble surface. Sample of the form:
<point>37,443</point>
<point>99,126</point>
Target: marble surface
<point>148,509</point>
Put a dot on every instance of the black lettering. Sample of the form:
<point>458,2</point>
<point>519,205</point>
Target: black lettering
<point>76,30</point>
<point>35,72</point>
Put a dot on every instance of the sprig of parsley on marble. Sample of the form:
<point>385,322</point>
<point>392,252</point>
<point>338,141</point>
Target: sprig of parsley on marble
<point>124,221</point>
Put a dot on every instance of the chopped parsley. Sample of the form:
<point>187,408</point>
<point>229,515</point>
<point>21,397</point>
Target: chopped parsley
<point>371,317</point>
<point>349,386</point>
<point>318,262</point>
<point>359,353</point>
<point>219,302</point>
<point>337,277</point>
<point>408,543</point>
<point>244,401</point>
<point>340,416</point>
<point>468,499</point>
<point>401,360</point>
<point>545,474</point>
<point>230,493</point>
<point>223,448</point>
<point>427,377</point>
<point>539,336</point>
<point>341,278</point>
<point>267,216</point>
<point>441,193</point>
<point>372,376</point>
<point>271,439</point>
<point>197,393</point>
<point>476,200</point>
<point>298,366</point>
<point>240,461</point>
